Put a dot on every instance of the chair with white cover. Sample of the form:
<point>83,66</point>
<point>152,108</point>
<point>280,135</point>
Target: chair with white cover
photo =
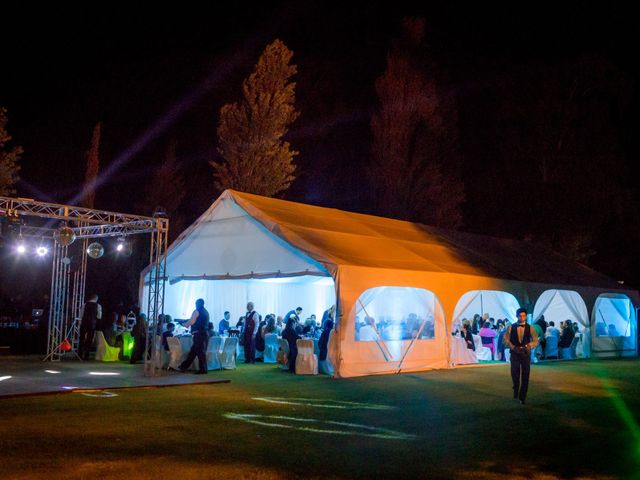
<point>551,347</point>
<point>482,352</point>
<point>306,361</point>
<point>283,353</point>
<point>570,351</point>
<point>104,351</point>
<point>326,366</point>
<point>228,355</point>
<point>175,353</point>
<point>214,349</point>
<point>164,355</point>
<point>270,348</point>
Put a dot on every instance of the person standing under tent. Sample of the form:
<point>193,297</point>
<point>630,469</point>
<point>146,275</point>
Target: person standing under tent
<point>198,322</point>
<point>327,326</point>
<point>91,315</point>
<point>139,334</point>
<point>520,338</point>
<point>289,334</point>
<point>251,324</point>
<point>224,324</point>
<point>293,313</point>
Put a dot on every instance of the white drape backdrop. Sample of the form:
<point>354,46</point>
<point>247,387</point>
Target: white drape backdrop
<point>276,295</point>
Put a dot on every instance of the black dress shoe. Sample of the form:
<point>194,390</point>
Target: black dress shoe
<point>182,369</point>
<point>199,372</point>
<point>521,402</point>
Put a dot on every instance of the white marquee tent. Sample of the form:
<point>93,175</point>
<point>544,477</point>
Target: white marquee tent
<point>282,254</point>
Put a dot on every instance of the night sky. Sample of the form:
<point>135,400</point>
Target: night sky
<point>157,75</point>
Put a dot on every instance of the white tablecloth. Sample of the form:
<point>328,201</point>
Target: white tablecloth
<point>460,354</point>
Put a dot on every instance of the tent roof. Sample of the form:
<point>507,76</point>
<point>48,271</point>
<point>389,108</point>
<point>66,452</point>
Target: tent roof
<point>336,237</point>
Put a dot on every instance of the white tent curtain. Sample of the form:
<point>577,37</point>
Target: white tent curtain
<point>494,302</point>
<point>543,303</point>
<point>560,305</point>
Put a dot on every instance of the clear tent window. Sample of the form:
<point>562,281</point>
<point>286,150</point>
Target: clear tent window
<point>395,313</point>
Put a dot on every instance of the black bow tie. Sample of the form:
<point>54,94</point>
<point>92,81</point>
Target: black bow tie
<point>522,325</point>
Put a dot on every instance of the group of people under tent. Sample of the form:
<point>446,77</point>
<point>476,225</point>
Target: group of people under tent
<point>491,333</point>
<point>388,328</point>
<point>251,329</point>
<point>125,328</point>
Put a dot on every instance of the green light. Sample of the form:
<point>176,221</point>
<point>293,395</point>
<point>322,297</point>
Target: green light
<point>128,343</point>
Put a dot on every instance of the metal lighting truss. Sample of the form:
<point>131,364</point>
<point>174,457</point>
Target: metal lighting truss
<point>68,288</point>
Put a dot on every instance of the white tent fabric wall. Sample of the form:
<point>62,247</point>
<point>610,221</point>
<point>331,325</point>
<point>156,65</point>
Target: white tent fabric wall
<point>496,304</point>
<point>277,295</point>
<point>226,240</point>
<point>561,305</point>
<point>614,323</point>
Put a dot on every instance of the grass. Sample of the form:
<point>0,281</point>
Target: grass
<point>581,421</point>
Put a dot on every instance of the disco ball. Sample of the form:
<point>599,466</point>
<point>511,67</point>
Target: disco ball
<point>95,250</point>
<point>65,236</point>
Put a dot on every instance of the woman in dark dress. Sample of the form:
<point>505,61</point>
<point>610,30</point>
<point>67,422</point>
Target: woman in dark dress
<point>323,343</point>
<point>468,337</point>
<point>290,335</point>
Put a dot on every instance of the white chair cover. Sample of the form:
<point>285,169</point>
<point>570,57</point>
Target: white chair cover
<point>104,351</point>
<point>284,348</point>
<point>460,354</point>
<point>306,361</point>
<point>326,366</point>
<point>482,352</point>
<point>270,348</point>
<point>164,355</point>
<point>551,347</point>
<point>214,349</point>
<point>228,355</point>
<point>566,353</point>
<point>175,353</point>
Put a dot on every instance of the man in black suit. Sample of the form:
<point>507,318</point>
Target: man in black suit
<point>520,339</point>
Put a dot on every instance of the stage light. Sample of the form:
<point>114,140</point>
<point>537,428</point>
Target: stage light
<point>123,247</point>
<point>42,251</point>
<point>21,248</point>
<point>104,373</point>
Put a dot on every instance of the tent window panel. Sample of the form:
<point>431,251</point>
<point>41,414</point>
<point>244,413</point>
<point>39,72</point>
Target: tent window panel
<point>395,313</point>
<point>613,317</point>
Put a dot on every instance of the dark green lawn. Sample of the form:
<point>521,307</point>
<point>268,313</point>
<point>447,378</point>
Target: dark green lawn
<point>581,421</point>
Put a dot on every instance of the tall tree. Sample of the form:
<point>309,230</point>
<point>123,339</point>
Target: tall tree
<point>250,132</point>
<point>9,158</point>
<point>93,166</point>
<point>415,158</point>
<point>167,188</point>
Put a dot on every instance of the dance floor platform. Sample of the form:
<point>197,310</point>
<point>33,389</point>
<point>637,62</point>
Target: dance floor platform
<point>29,375</point>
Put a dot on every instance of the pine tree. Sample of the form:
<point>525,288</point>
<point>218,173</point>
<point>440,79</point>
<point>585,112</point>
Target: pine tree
<point>9,158</point>
<point>167,188</point>
<point>250,133</point>
<point>414,164</point>
<point>93,165</point>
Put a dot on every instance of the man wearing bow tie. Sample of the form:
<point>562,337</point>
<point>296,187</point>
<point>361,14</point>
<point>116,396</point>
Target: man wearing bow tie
<point>520,339</point>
